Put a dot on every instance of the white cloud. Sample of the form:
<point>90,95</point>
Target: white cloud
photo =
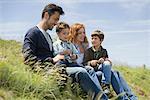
<point>133,26</point>
<point>98,21</point>
<point>96,1</point>
<point>13,26</point>
<point>101,24</point>
<point>74,15</point>
<point>135,7</point>
<point>140,22</point>
<point>24,1</point>
<point>14,30</point>
<point>131,31</point>
<point>70,1</point>
<point>135,4</point>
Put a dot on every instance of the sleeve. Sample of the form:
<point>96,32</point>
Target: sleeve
<point>74,50</point>
<point>105,54</point>
<point>29,49</point>
<point>56,48</point>
<point>86,57</point>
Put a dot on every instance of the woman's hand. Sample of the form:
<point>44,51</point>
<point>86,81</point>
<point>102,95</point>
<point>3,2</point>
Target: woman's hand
<point>67,52</point>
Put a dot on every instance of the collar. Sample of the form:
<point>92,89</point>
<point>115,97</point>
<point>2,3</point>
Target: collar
<point>100,48</point>
<point>59,40</point>
<point>43,31</point>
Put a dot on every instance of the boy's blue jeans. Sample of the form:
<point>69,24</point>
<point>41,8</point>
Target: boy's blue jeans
<point>103,71</point>
<point>120,86</point>
<point>105,74</point>
<point>105,68</point>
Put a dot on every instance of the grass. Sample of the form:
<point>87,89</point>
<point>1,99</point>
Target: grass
<point>138,79</point>
<point>17,82</point>
<point>23,83</point>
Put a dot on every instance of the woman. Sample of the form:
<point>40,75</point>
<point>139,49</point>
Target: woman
<point>78,37</point>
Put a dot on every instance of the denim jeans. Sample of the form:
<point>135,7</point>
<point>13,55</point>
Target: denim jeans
<point>106,75</point>
<point>73,64</point>
<point>86,81</point>
<point>105,68</point>
<point>93,74</point>
<point>120,86</point>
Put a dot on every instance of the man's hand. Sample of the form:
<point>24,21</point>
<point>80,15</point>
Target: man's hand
<point>93,63</point>
<point>58,57</point>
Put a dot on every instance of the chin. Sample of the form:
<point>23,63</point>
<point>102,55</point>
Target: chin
<point>94,45</point>
<point>50,28</point>
<point>81,40</point>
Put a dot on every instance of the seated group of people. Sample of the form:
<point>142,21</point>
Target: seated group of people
<point>89,66</point>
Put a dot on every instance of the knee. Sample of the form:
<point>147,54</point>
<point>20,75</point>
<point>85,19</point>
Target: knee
<point>82,70</point>
<point>89,68</point>
<point>107,63</point>
<point>82,74</point>
<point>99,73</point>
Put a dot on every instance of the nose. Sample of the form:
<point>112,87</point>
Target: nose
<point>83,33</point>
<point>55,22</point>
<point>92,40</point>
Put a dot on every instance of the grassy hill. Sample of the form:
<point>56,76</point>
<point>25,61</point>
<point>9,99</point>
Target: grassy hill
<point>19,83</point>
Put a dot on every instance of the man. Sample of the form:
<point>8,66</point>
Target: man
<point>38,47</point>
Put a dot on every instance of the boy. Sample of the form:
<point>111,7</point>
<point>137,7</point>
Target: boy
<point>64,47</point>
<point>97,57</point>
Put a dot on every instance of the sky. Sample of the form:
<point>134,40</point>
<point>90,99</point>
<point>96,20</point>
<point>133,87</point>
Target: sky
<point>125,23</point>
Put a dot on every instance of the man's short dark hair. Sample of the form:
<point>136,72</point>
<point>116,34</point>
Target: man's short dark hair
<point>51,8</point>
<point>60,26</point>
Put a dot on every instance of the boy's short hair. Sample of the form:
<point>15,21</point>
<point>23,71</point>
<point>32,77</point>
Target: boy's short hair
<point>98,33</point>
<point>60,26</point>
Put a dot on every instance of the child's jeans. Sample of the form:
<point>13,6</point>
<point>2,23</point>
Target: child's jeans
<point>105,68</point>
<point>67,64</point>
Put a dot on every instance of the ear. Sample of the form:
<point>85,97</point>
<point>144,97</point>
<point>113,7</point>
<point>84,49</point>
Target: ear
<point>46,15</point>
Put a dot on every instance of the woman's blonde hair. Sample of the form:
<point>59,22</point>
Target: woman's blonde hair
<point>74,32</point>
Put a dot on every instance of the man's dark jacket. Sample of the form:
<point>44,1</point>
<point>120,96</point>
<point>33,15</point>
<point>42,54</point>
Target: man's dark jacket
<point>36,47</point>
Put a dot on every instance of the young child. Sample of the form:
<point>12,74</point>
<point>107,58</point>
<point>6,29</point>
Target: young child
<point>64,47</point>
<point>97,57</point>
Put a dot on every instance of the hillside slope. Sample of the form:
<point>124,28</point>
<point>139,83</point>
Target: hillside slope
<point>18,83</point>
